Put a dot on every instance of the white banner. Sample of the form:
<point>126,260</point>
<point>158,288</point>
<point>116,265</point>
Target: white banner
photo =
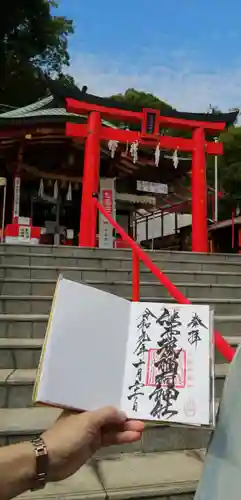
<point>16,196</point>
<point>152,187</point>
<point>107,200</point>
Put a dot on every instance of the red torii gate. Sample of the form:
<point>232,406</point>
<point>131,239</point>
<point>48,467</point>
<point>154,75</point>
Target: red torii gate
<point>150,120</point>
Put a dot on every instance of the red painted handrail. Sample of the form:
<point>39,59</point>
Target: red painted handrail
<point>135,277</point>
<point>223,347</point>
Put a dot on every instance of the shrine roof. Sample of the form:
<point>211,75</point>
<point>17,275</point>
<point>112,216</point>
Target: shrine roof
<point>52,108</point>
<point>47,109</point>
<point>179,200</point>
<point>63,92</point>
<point>225,223</point>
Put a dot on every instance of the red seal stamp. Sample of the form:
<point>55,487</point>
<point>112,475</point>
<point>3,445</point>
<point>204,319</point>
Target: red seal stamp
<point>153,371</point>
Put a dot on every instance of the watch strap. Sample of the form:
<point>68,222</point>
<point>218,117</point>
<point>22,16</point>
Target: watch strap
<point>41,454</point>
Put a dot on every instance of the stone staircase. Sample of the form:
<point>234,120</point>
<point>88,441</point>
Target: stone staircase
<point>27,281</point>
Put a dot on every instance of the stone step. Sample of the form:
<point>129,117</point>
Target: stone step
<point>150,289</point>
<point>67,251</point>
<point>25,286</point>
<point>24,353</point>
<point>20,424</point>
<point>115,275</point>
<point>116,263</point>
<point>16,386</point>
<point>37,304</point>
<point>34,325</point>
<point>20,353</point>
<point>162,476</point>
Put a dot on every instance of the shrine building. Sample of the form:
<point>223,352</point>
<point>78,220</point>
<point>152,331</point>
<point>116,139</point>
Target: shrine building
<point>56,153</point>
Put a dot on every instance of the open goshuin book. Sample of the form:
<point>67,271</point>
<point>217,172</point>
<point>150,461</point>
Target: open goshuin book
<point>152,360</point>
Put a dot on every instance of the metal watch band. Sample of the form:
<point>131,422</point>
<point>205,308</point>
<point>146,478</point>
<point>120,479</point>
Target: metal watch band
<point>41,453</point>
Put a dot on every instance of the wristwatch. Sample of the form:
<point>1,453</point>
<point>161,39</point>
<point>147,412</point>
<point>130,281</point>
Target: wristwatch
<point>41,453</point>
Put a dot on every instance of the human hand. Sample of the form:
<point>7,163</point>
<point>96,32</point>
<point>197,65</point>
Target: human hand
<point>75,437</point>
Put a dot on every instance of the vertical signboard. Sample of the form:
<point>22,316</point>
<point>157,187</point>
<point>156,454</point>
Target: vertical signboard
<point>16,197</point>
<point>24,233</point>
<point>107,199</point>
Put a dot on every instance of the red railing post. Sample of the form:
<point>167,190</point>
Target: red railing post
<point>135,277</point>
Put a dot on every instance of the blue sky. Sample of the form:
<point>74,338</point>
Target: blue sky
<point>188,52</point>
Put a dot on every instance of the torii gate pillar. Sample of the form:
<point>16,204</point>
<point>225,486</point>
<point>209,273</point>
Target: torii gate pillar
<point>87,234</point>
<point>199,193</point>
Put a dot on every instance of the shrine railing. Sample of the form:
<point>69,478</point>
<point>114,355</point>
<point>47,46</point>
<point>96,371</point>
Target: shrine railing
<point>139,255</point>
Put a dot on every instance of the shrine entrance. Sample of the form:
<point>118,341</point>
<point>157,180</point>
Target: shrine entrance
<point>150,123</point>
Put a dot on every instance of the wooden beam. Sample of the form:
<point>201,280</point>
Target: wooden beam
<point>180,123</point>
<point>214,148</point>
<point>166,142</point>
<point>35,132</point>
<point>81,107</point>
<point>76,130</point>
<point>116,134</point>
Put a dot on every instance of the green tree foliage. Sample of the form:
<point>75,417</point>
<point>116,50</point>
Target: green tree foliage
<point>229,171</point>
<point>33,46</point>
<point>138,98</point>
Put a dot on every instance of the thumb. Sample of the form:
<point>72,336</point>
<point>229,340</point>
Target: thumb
<point>108,416</point>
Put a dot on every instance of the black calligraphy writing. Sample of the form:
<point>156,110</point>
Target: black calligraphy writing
<point>194,329</point>
<point>167,363</point>
<point>143,325</point>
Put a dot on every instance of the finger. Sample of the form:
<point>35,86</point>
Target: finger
<point>134,425</point>
<point>108,416</point>
<point>120,437</point>
<point>128,425</point>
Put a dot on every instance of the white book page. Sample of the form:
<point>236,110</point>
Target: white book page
<point>167,370</point>
<point>84,357</point>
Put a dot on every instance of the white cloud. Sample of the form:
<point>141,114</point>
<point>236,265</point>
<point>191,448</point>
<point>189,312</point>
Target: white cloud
<point>182,83</point>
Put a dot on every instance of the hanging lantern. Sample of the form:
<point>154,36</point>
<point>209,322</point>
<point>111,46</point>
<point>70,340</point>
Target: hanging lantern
<point>50,183</point>
<point>157,155</point>
<point>112,146</point>
<point>134,151</point>
<point>175,159</point>
<point>41,189</point>
<point>69,193</point>
<point>56,190</point>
